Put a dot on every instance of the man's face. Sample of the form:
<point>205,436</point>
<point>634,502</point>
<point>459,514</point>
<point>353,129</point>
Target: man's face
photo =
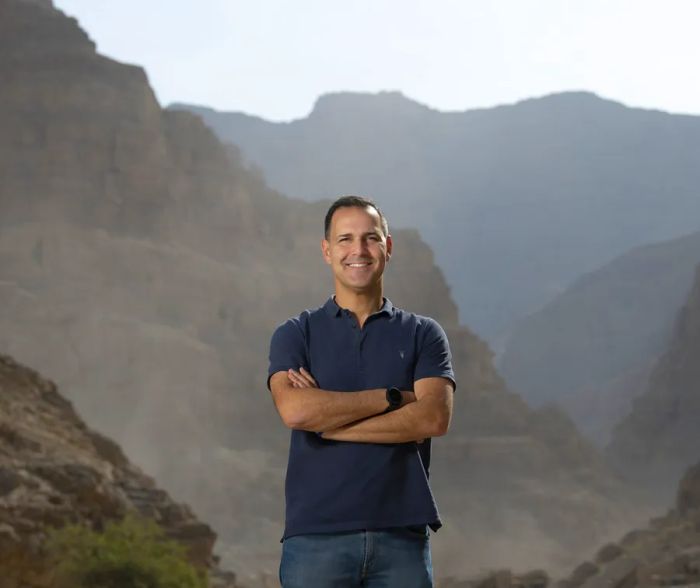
<point>356,249</point>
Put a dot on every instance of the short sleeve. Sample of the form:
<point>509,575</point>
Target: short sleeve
<point>287,349</point>
<point>434,357</point>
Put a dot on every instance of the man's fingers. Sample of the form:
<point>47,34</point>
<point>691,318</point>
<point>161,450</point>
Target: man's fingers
<point>298,383</point>
<point>295,378</point>
<point>301,380</point>
<point>311,379</point>
<point>306,377</point>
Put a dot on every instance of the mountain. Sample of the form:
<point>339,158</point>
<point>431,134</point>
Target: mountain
<point>517,201</point>
<point>665,553</point>
<point>660,437</point>
<point>143,267</point>
<point>55,471</point>
<point>591,348</point>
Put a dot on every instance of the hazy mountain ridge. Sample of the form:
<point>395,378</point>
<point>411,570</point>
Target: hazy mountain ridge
<point>602,334</point>
<point>144,270</point>
<point>660,438</point>
<point>517,201</point>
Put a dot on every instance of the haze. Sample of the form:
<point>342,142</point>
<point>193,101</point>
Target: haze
<point>272,59</point>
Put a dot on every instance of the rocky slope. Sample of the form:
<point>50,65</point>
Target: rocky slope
<point>590,350</point>
<point>54,470</point>
<point>660,438</point>
<point>666,553</point>
<point>517,201</point>
<point>143,268</point>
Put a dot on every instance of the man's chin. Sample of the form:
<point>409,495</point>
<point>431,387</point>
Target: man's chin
<point>359,284</point>
<point>364,287</point>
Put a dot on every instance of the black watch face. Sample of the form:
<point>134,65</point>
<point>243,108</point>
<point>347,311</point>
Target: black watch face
<point>395,396</point>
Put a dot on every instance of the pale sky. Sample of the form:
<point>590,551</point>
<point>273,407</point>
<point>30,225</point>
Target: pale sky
<point>273,58</point>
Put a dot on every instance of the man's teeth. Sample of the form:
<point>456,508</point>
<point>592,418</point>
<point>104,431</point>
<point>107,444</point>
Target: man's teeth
<point>358,264</point>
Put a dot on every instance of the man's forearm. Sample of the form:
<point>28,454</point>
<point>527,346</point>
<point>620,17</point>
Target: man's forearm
<point>413,422</point>
<point>313,409</point>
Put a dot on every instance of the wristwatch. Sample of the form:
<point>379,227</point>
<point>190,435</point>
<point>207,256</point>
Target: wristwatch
<point>394,398</point>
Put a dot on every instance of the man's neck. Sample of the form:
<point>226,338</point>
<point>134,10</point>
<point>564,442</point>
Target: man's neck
<point>362,305</point>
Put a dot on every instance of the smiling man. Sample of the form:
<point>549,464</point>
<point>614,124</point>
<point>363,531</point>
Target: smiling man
<point>364,386</point>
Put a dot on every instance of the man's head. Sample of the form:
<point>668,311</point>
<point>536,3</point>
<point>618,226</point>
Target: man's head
<point>353,201</point>
<point>356,244</point>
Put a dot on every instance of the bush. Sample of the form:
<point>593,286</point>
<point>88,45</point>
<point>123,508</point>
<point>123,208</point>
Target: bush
<point>132,553</point>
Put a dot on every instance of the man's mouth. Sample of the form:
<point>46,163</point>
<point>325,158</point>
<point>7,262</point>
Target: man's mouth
<point>358,264</point>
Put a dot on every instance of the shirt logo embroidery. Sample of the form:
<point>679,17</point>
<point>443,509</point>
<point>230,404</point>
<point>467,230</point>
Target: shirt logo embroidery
<point>401,353</point>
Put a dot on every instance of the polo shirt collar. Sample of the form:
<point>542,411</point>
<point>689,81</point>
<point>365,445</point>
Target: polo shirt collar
<point>332,308</point>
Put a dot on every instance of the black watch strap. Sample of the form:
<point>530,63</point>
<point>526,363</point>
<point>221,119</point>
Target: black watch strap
<point>394,398</point>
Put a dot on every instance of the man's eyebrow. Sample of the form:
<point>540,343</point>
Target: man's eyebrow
<point>374,232</point>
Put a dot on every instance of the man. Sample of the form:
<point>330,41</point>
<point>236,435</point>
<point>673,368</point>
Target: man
<point>364,386</point>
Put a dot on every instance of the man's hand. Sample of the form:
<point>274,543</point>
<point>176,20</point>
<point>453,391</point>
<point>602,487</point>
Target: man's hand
<point>301,379</point>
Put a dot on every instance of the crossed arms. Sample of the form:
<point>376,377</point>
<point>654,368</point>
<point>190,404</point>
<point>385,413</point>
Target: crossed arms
<point>358,416</point>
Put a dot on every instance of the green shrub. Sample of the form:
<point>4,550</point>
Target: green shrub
<point>131,553</point>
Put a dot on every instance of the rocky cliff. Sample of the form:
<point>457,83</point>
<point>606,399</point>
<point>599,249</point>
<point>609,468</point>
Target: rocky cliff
<point>660,438</point>
<point>54,470</point>
<point>665,553</point>
<point>143,268</point>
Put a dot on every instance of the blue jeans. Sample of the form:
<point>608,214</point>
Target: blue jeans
<point>389,558</point>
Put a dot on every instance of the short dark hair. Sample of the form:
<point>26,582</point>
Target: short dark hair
<point>353,201</point>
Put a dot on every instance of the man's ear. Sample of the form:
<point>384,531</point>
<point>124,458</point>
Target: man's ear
<point>326,251</point>
<point>389,246</point>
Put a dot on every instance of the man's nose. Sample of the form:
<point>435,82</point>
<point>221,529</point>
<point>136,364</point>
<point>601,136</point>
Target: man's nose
<point>361,247</point>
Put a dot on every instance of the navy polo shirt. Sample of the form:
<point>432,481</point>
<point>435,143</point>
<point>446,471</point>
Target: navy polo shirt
<point>335,486</point>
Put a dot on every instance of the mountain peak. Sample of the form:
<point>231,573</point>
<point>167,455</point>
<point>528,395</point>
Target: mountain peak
<point>36,29</point>
<point>339,104</point>
<point>570,99</point>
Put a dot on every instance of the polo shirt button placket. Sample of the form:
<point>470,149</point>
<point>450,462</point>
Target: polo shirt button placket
<point>358,345</point>
<point>348,316</point>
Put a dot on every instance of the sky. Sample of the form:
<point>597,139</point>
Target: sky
<point>274,58</point>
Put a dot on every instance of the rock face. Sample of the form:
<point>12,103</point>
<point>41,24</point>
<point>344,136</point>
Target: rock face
<point>517,201</point>
<point>82,132</point>
<point>688,498</point>
<point>660,438</point>
<point>666,553</point>
<point>54,470</point>
<point>500,579</point>
<point>591,348</point>
<point>143,268</point>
